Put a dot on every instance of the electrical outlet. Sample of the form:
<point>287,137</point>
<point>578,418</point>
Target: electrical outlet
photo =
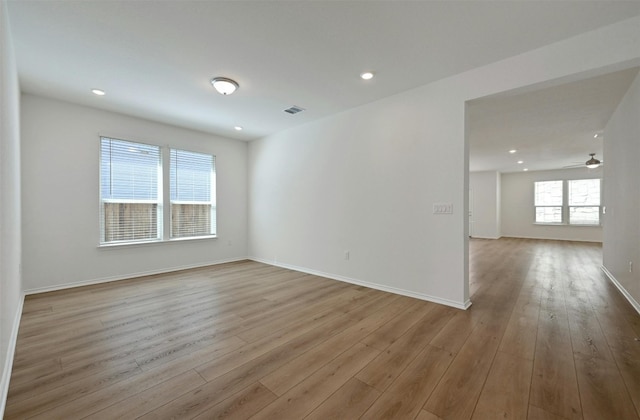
<point>346,255</point>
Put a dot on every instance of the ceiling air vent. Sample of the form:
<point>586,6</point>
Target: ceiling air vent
<point>294,109</point>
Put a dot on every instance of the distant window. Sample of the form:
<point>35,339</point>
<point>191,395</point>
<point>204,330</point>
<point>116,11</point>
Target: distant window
<point>576,201</point>
<point>584,202</point>
<point>548,201</point>
<point>129,185</point>
<point>193,195</point>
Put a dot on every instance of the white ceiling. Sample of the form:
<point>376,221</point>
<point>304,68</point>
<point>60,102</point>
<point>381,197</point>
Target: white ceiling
<point>550,128</point>
<point>155,58</point>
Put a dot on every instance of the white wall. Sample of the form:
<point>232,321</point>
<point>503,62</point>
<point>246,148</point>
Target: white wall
<point>622,194</point>
<point>10,282</point>
<point>485,197</point>
<point>518,210</point>
<point>60,196</point>
<point>365,180</point>
<point>355,182</point>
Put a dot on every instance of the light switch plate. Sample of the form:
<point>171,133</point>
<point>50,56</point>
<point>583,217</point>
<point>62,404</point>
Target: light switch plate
<point>442,208</point>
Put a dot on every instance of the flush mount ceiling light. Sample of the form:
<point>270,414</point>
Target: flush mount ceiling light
<point>593,162</point>
<point>98,92</point>
<point>512,151</point>
<point>237,128</point>
<point>520,162</point>
<point>224,85</point>
<point>367,75</point>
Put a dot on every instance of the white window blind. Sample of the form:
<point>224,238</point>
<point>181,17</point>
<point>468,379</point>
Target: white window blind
<point>548,201</point>
<point>584,202</point>
<point>193,194</point>
<point>129,184</point>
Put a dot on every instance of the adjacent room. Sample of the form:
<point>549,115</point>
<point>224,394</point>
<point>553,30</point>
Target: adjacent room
<point>318,209</point>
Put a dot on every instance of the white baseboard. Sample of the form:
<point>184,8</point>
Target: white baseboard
<point>127,276</point>
<point>8,362</point>
<point>551,239</point>
<point>390,289</point>
<point>485,237</point>
<point>622,290</point>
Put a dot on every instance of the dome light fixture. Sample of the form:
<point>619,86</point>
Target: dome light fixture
<point>593,162</point>
<point>224,85</point>
<point>98,92</point>
<point>237,128</point>
<point>512,151</point>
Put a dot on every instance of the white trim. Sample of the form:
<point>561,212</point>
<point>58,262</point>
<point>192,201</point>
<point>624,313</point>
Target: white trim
<point>121,244</point>
<point>8,362</point>
<point>598,225</point>
<point>551,239</point>
<point>127,276</point>
<point>622,290</point>
<point>458,305</point>
<point>485,237</point>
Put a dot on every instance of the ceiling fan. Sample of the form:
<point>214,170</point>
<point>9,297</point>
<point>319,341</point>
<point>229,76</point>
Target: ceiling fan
<point>591,163</point>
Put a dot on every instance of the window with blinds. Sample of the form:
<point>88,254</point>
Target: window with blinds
<point>129,184</point>
<point>193,195</point>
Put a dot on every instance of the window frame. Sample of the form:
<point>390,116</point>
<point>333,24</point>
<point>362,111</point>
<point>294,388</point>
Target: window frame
<point>598,206</point>
<point>124,201</point>
<point>211,203</point>
<point>566,208</point>
<point>551,206</point>
<point>163,210</point>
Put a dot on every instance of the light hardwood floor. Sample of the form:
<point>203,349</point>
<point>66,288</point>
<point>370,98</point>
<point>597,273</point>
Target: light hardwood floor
<point>547,337</point>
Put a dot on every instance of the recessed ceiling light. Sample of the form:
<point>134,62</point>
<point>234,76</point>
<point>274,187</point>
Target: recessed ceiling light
<point>367,75</point>
<point>595,136</point>
<point>98,92</point>
<point>512,151</point>
<point>525,169</point>
<point>520,162</point>
<point>237,128</point>
<point>224,86</point>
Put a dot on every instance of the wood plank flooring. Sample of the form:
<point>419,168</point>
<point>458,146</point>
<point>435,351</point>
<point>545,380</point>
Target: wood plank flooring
<point>547,337</point>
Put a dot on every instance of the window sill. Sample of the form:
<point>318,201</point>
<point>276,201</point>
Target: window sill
<point>157,242</point>
<point>565,224</point>
<point>192,238</point>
